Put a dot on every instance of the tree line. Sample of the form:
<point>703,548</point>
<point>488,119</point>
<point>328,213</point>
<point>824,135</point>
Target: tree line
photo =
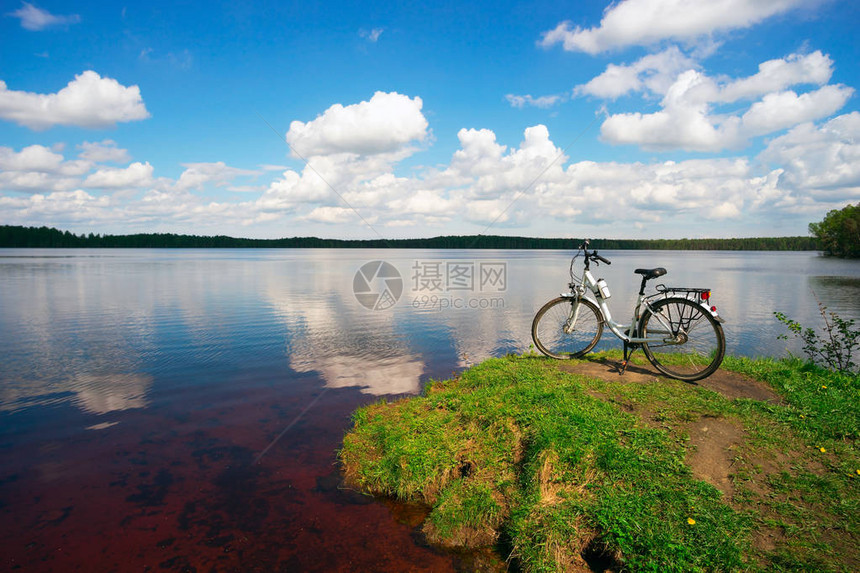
<point>48,237</point>
<point>839,233</point>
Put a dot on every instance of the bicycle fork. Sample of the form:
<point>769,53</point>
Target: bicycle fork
<point>570,323</point>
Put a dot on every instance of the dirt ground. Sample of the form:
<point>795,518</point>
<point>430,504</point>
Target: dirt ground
<point>713,440</point>
<point>729,384</point>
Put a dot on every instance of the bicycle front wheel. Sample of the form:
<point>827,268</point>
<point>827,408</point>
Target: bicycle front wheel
<point>687,342</point>
<point>566,328</point>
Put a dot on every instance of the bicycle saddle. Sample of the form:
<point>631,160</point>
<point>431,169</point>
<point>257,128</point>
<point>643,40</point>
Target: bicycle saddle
<point>651,273</point>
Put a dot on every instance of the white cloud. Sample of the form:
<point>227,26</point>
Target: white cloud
<point>135,175</point>
<point>333,215</point>
<point>58,208</point>
<point>779,74</point>
<point>647,22</point>
<point>105,151</point>
<point>365,183</point>
<point>425,202</point>
<point>682,122</point>
<point>513,173</point>
<point>372,35</point>
<point>246,188</point>
<point>688,118</point>
<point>482,158</point>
<point>725,210</point>
<point>489,211</point>
<point>294,189</point>
<point>32,158</point>
<point>34,181</point>
<point>521,101</point>
<point>87,101</point>
<point>285,193</point>
<point>782,110</point>
<point>820,162</point>
<point>654,73</point>
<point>35,19</point>
<point>386,123</point>
<point>488,183</point>
<point>479,153</point>
<point>39,169</point>
<point>808,170</point>
<point>196,175</point>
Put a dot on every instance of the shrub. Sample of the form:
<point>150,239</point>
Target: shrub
<point>834,348</point>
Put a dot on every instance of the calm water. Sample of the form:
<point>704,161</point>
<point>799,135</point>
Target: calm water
<point>180,410</point>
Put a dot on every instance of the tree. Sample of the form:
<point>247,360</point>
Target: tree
<point>839,233</point>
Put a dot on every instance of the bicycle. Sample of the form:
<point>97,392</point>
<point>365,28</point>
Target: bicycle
<point>680,333</point>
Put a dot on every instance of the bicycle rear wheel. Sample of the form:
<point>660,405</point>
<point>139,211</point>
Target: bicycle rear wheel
<point>693,343</point>
<point>559,334</point>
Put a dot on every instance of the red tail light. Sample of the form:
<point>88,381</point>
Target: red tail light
<point>706,296</point>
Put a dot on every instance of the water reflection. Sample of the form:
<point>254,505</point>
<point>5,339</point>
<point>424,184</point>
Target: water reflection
<point>392,375</point>
<point>99,328</point>
<point>111,393</point>
<point>148,382</point>
<point>94,329</point>
<point>332,335</point>
<point>839,292</point>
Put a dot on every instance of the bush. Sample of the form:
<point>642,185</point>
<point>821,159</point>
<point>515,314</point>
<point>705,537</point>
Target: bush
<point>834,349</point>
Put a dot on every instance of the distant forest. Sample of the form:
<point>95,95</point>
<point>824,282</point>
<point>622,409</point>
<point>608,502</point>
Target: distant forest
<point>46,237</point>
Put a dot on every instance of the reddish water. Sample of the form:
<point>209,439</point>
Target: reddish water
<point>137,389</point>
<point>173,487</point>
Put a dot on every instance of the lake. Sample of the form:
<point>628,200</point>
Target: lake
<point>181,409</point>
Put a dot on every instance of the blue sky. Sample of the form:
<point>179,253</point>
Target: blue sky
<point>640,118</point>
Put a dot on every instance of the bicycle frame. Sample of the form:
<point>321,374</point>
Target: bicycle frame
<point>630,335</point>
<point>676,327</point>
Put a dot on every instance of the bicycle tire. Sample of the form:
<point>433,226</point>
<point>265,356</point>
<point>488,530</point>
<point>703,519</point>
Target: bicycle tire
<point>694,348</point>
<point>548,328</point>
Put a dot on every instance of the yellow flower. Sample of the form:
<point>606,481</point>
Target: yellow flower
<point>802,416</point>
<point>822,450</point>
<point>858,472</point>
<point>692,521</point>
<point>824,387</point>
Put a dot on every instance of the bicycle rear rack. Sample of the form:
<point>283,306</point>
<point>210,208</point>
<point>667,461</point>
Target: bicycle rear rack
<point>696,294</point>
<point>664,289</point>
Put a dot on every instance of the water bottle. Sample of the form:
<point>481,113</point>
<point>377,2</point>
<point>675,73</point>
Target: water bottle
<point>603,289</point>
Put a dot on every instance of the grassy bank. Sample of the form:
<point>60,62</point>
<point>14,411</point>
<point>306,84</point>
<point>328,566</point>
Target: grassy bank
<point>556,469</point>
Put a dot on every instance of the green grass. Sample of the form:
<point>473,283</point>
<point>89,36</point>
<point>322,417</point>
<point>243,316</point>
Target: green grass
<point>559,465</point>
<point>823,405</point>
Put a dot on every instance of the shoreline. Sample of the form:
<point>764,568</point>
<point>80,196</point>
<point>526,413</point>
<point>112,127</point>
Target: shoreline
<point>48,237</point>
<point>555,465</point>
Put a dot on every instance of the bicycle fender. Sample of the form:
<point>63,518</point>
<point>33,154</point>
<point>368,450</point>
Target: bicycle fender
<point>712,310</point>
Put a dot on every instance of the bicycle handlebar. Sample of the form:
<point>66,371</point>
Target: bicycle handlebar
<point>593,254</point>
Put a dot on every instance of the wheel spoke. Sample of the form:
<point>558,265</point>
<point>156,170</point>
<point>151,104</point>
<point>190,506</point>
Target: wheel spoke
<point>696,345</point>
<point>557,334</point>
